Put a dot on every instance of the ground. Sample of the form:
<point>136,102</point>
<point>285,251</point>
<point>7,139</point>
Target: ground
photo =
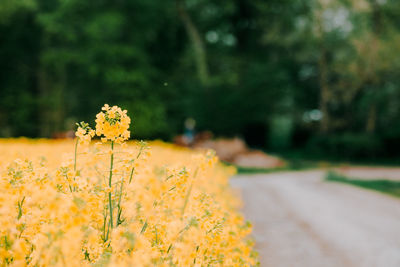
<point>301,220</point>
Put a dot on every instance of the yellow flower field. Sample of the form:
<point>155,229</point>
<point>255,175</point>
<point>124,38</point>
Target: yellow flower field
<point>117,203</point>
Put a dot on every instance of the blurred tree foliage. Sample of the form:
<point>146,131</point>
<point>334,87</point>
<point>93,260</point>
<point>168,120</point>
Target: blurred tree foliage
<point>326,68</point>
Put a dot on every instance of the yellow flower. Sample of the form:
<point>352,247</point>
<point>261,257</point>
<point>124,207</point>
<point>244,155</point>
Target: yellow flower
<point>84,133</point>
<point>112,124</point>
<point>172,206</point>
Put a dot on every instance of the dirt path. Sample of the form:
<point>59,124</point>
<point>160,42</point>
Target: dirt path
<point>300,220</point>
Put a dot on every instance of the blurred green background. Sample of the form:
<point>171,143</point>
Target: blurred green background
<point>318,76</point>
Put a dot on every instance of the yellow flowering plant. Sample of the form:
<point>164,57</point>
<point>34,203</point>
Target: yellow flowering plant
<point>170,207</point>
<point>112,124</point>
<point>84,133</point>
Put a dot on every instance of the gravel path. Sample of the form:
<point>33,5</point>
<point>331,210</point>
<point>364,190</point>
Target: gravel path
<point>300,220</point>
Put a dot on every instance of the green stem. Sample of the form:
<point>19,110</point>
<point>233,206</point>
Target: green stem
<point>104,227</point>
<point>119,221</point>
<point>133,168</point>
<point>189,192</point>
<point>20,203</point>
<point>109,183</point>
<point>131,175</point>
<point>69,185</point>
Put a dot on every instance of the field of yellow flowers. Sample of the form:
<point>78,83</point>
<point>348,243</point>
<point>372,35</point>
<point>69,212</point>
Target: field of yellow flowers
<point>109,202</point>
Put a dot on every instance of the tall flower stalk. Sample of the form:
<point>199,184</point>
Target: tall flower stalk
<point>112,125</point>
<point>110,185</point>
<point>84,135</point>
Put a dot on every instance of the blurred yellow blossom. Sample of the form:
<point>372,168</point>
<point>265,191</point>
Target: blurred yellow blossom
<point>171,207</point>
<point>84,133</point>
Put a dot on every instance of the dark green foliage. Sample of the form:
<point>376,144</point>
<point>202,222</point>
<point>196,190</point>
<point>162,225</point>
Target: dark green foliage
<point>60,61</point>
<point>19,50</point>
<point>345,146</point>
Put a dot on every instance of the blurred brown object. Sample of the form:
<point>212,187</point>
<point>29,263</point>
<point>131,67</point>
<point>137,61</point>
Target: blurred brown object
<point>237,152</point>
<point>226,149</point>
<point>180,140</point>
<point>203,136</point>
<point>63,135</point>
<point>258,159</point>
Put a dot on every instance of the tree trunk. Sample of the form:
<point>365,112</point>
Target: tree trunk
<point>43,85</point>
<point>197,43</point>
<point>52,102</point>
<point>371,121</point>
<point>59,107</point>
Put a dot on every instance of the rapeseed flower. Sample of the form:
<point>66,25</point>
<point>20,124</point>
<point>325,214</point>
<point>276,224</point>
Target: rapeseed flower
<point>84,133</point>
<point>112,124</point>
<point>170,207</point>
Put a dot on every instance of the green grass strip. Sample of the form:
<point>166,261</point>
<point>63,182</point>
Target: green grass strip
<point>385,186</point>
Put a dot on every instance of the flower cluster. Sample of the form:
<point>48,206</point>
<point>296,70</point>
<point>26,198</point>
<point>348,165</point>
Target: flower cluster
<point>112,124</point>
<point>170,207</point>
<point>84,133</point>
